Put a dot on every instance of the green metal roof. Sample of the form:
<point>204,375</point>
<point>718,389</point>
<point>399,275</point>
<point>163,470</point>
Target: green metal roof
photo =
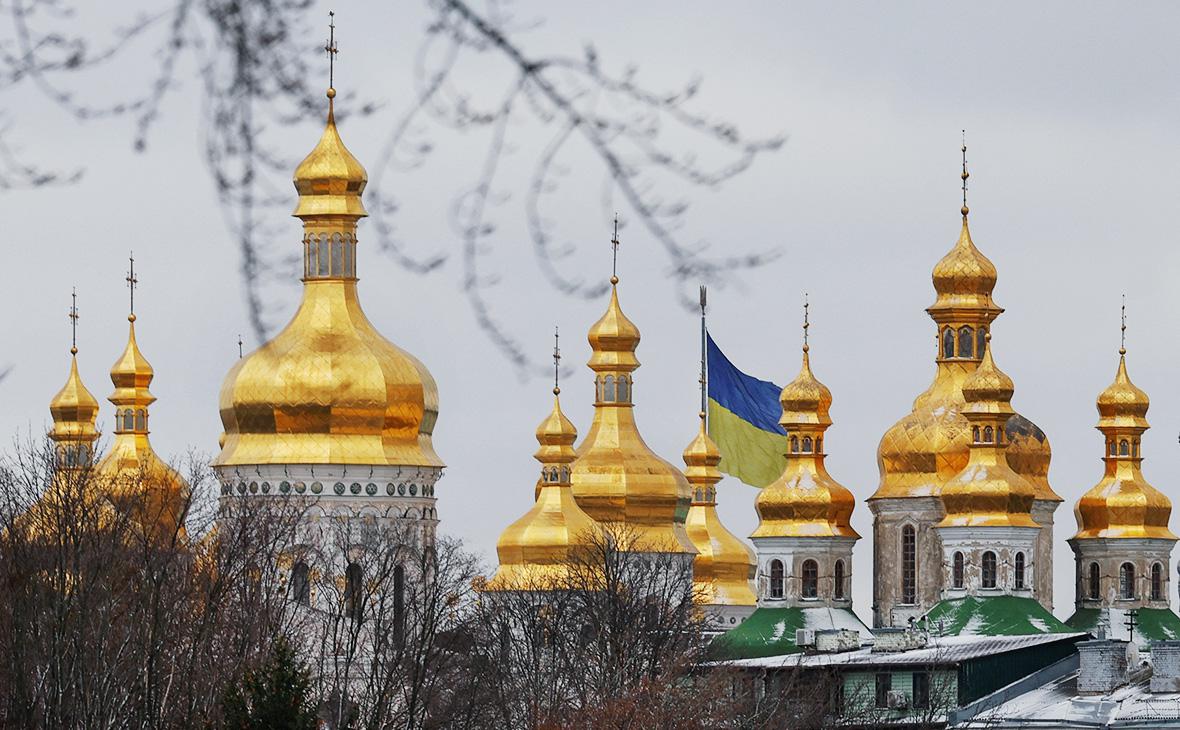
<point>771,631</point>
<point>1151,624</point>
<point>994,616</point>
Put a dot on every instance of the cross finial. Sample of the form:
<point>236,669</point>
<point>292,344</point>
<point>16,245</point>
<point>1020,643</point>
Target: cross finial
<point>74,322</point>
<point>556,361</point>
<point>132,281</point>
<point>704,379</point>
<point>806,321</point>
<point>1123,329</point>
<point>330,48</point>
<point>965,174</point>
<point>239,347</point>
<point>614,263</point>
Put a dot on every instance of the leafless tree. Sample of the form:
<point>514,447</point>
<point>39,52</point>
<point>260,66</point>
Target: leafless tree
<point>652,149</point>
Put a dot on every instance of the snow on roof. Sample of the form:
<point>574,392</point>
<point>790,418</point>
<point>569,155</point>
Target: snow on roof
<point>1059,704</point>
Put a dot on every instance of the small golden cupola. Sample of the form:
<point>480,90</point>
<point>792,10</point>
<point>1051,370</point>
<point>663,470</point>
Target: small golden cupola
<point>987,492</point>
<point>617,479</point>
<point>74,410</point>
<point>329,388</point>
<point>724,567</point>
<point>540,550</point>
<point>805,501</point>
<point>1123,504</point>
<point>141,482</point>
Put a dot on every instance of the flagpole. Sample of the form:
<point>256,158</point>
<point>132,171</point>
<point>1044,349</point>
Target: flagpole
<point>704,369</point>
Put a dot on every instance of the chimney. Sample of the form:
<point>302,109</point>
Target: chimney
<point>1165,666</point>
<point>1104,664</point>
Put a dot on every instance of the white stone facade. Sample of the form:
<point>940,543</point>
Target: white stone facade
<point>810,570</point>
<point>988,561</point>
<point>1106,558</point>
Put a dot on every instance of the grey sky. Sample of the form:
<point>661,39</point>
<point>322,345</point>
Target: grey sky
<point>1071,112</point>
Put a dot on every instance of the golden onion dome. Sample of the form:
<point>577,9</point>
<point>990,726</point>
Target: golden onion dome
<point>540,550</point>
<point>617,479</point>
<point>74,409</point>
<point>141,483</point>
<point>964,278</point>
<point>329,388</point>
<point>987,492</point>
<point>724,567</point>
<point>1123,504</point>
<point>805,500</point>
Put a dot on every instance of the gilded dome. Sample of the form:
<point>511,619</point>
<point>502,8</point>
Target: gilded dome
<point>805,500</point>
<point>1123,504</point>
<point>540,550</point>
<point>329,389</point>
<point>617,479</point>
<point>987,491</point>
<point>723,569</point>
<point>74,409</point>
<point>964,278</point>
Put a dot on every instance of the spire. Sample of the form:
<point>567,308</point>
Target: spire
<point>131,374</point>
<point>556,361</point>
<point>614,260</point>
<point>73,322</point>
<point>964,176</point>
<point>614,339</point>
<point>704,379</point>
<point>74,408</point>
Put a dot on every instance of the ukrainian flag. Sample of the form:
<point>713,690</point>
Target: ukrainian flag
<point>743,421</point>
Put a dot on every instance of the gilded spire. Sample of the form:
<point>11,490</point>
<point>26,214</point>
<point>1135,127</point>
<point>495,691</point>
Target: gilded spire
<point>131,373</point>
<point>614,338</point>
<point>74,408</point>
<point>805,500</point>
<point>987,492</point>
<point>1123,503</point>
<point>965,175</point>
<point>540,550</point>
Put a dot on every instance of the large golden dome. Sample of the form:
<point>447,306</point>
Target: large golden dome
<point>723,569</point>
<point>617,479</point>
<point>805,500</point>
<point>540,550</point>
<point>987,491</point>
<point>919,453</point>
<point>329,389</point>
<point>1123,504</point>
<point>74,409</point>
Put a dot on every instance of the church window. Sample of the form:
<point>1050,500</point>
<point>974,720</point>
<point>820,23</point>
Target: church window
<point>1094,581</point>
<point>140,420</point>
<point>1135,448</point>
<point>353,592</point>
<point>1113,449</point>
<point>980,341</point>
<point>608,389</point>
<point>948,343</point>
<point>300,584</point>
<point>322,263</point>
<point>988,572</point>
<point>807,444</point>
<point>1124,448</point>
<point>1018,572</point>
<point>957,570</point>
<point>794,444</point>
<point>819,446</point>
<point>966,342</point>
<point>810,579</point>
<point>838,580</point>
<point>909,565</point>
<point>989,436</point>
<point>1127,581</point>
<point>624,394</point>
<point>337,255</point>
<point>975,434</point>
<point>1157,582</point>
<point>776,579</point>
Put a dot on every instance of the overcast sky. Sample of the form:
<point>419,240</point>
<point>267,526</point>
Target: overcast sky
<point>1071,113</point>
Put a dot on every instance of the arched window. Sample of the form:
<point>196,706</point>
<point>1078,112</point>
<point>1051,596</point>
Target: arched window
<point>624,394</point>
<point>1018,572</point>
<point>353,591</point>
<point>807,444</point>
<point>1094,581</point>
<point>1113,449</point>
<point>141,420</point>
<point>819,446</point>
<point>399,603</point>
<point>980,341</point>
<point>1157,582</point>
<point>989,436</point>
<point>957,570</point>
<point>988,570</point>
<point>337,255</point>
<point>975,434</point>
<point>966,342</point>
<point>323,256</point>
<point>810,579</point>
<point>1127,581</point>
<point>1124,448</point>
<point>909,565</point>
<point>1135,448</point>
<point>838,580</point>
<point>300,584</point>
<point>948,343</point>
<point>776,579</point>
<point>794,444</point>
<point>128,420</point>
<point>608,389</point>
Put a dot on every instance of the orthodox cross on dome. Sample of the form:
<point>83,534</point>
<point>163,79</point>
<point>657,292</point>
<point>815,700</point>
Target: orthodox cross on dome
<point>132,281</point>
<point>239,347</point>
<point>1123,329</point>
<point>704,380</point>
<point>806,321</point>
<point>330,48</point>
<point>965,174</point>
<point>74,322</point>
<point>614,263</point>
<point>556,361</point>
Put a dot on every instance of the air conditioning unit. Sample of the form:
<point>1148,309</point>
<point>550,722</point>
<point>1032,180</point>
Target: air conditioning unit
<point>804,637</point>
<point>897,700</point>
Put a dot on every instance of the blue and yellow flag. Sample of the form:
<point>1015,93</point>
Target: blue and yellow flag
<point>743,421</point>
